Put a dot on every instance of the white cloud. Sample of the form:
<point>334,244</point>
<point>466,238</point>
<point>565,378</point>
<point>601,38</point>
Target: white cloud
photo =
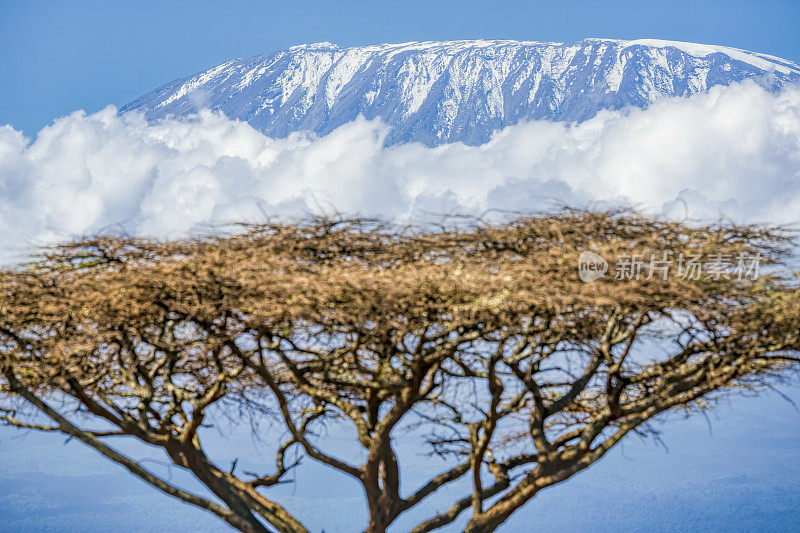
<point>732,152</point>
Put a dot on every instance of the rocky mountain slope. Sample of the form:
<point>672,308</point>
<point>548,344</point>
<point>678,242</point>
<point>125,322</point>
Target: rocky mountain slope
<point>440,92</point>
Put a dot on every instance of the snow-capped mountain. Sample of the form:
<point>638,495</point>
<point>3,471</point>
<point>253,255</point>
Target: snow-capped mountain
<point>438,92</point>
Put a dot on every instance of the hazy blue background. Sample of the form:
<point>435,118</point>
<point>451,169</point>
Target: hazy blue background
<point>58,57</point>
<point>738,471</point>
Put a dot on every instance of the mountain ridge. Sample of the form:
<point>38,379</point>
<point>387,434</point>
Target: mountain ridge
<point>437,92</point>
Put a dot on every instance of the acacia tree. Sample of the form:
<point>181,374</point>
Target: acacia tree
<point>483,334</point>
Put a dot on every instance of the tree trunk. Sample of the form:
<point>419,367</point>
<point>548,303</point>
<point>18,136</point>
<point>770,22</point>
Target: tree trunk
<point>382,512</point>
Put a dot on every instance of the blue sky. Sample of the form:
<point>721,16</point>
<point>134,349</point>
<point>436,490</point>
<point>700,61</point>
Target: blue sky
<point>61,56</point>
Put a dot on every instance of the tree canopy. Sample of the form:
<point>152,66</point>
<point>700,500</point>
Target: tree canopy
<point>483,334</point>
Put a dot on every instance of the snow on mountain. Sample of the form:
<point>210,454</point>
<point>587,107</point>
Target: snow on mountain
<point>440,92</point>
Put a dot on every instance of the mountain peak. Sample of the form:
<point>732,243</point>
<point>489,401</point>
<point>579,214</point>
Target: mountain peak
<point>324,45</point>
<point>456,91</point>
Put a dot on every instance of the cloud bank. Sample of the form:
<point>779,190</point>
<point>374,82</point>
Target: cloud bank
<point>732,152</point>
